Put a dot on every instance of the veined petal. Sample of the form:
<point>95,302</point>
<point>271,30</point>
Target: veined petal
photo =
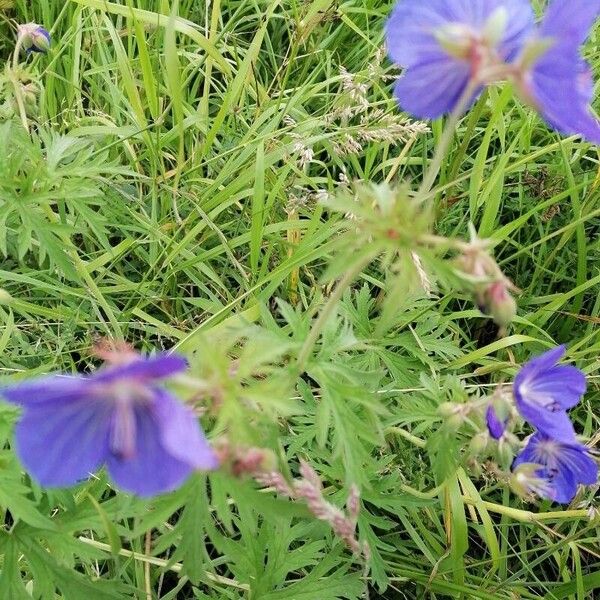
<point>432,89</point>
<point>563,485</point>
<point>554,424</point>
<point>151,470</point>
<point>564,384</point>
<point>577,459</point>
<point>543,390</point>
<point>180,433</point>
<point>62,442</point>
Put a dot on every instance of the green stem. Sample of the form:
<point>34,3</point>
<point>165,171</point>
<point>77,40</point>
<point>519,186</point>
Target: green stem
<point>413,439</point>
<point>443,146</point>
<point>328,309</point>
<point>526,516</point>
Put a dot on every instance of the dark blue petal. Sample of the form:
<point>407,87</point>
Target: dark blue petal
<point>62,442</point>
<point>142,369</point>
<point>180,433</point>
<point>495,426</point>
<point>152,470</point>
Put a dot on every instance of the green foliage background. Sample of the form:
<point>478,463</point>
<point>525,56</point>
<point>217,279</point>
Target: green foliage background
<point>162,198</point>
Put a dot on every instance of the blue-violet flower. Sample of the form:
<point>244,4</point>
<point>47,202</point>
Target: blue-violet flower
<point>450,46</point>
<point>553,469</point>
<point>119,416</point>
<point>544,390</point>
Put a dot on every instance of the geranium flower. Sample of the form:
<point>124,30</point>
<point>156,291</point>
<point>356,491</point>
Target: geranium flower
<point>446,46</point>
<point>553,469</point>
<point>551,74</point>
<point>118,416</point>
<point>543,392</point>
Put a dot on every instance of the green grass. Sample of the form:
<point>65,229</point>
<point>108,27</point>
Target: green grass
<point>162,198</point>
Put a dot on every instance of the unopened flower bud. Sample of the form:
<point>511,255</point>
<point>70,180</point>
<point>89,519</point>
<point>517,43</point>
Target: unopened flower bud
<point>505,453</point>
<point>499,303</point>
<point>478,444</point>
<point>447,409</point>
<point>30,93</point>
<point>5,297</point>
<point>497,414</point>
<point>34,38</point>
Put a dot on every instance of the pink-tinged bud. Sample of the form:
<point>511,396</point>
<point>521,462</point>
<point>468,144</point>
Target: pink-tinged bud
<point>34,38</point>
<point>242,460</point>
<point>498,303</point>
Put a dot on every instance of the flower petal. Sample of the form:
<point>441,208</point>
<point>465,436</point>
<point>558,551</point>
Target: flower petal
<point>54,388</point>
<point>569,22</point>
<point>540,363</point>
<point>559,83</point>
<point>429,90</point>
<point>562,96</point>
<point>563,485</point>
<point>577,459</point>
<point>180,432</point>
<point>410,31</point>
<point>564,384</point>
<point>62,442</point>
<point>554,424</point>
<point>152,470</point>
<point>150,368</point>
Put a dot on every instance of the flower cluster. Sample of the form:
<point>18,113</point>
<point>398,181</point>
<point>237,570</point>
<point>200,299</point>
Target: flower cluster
<point>553,462</point>
<point>451,49</point>
<point>119,416</point>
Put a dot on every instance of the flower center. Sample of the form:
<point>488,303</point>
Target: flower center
<point>125,397</point>
<point>479,48</point>
<point>543,400</point>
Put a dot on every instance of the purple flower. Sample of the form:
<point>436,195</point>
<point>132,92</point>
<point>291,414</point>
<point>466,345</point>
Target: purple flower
<point>553,77</point>
<point>448,45</point>
<point>544,390</point>
<point>34,38</point>
<point>561,468</point>
<point>118,416</point>
<point>495,425</point>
